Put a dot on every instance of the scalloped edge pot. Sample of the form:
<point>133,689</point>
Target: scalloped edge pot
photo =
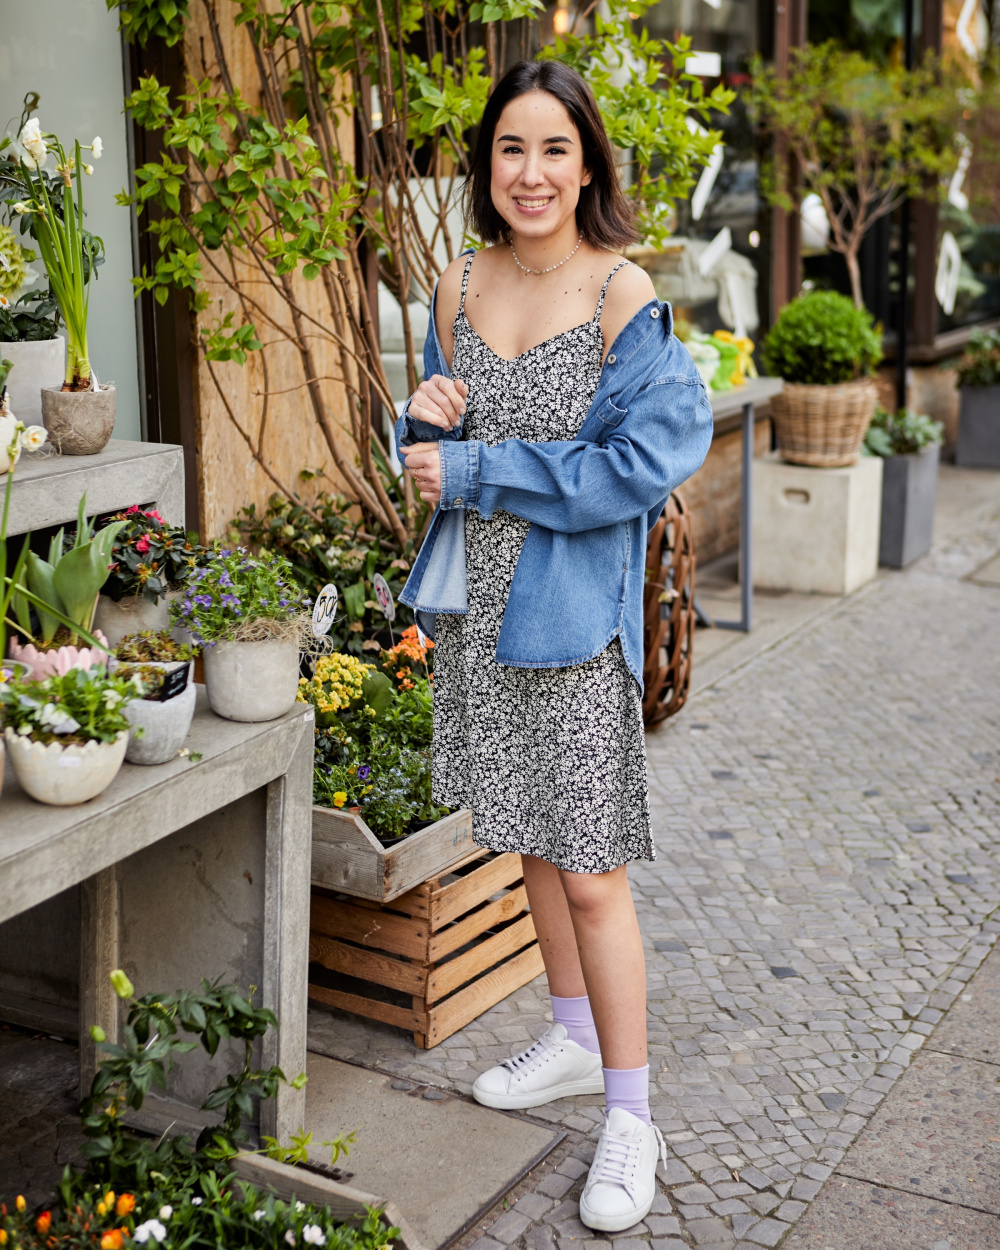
<point>251,681</point>
<point>64,775</point>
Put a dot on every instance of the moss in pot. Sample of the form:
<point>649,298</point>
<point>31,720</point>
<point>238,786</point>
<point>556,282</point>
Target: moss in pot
<point>250,618</point>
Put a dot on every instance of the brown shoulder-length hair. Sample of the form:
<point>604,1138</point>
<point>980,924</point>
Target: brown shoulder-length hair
<point>604,214</point>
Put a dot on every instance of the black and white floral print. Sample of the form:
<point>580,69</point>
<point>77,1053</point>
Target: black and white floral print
<point>551,760</point>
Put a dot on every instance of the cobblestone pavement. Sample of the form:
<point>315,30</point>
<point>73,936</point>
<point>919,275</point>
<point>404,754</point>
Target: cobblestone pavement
<point>827,825</point>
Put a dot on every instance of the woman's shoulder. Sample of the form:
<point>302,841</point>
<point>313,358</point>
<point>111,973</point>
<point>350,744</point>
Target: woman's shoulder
<point>630,289</point>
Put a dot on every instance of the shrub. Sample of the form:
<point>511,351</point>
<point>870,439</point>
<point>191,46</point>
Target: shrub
<point>822,339</point>
<point>901,433</point>
<point>980,363</point>
<point>150,557</point>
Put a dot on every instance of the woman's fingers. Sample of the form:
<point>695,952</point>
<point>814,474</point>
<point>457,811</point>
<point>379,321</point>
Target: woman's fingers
<point>440,401</point>
<point>423,460</point>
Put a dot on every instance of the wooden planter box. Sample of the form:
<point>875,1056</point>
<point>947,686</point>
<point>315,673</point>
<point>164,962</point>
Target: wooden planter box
<point>347,856</point>
<point>454,945</point>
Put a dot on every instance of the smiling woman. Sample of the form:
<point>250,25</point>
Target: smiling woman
<point>557,414</point>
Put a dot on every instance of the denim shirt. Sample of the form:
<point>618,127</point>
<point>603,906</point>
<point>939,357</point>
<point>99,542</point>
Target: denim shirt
<point>590,500</point>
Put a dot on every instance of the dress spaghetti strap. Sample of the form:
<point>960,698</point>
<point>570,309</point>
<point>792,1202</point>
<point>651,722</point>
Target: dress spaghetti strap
<point>604,289</point>
<point>465,285</point>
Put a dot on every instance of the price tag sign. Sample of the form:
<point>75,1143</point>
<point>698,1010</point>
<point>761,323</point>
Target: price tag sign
<point>174,683</point>
<point>422,638</point>
<point>384,596</point>
<point>324,610</point>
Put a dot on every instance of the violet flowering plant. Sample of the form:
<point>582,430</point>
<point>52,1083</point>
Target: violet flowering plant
<point>238,596</point>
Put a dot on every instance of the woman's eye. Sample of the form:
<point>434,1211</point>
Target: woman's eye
<point>556,152</point>
<point>511,150</point>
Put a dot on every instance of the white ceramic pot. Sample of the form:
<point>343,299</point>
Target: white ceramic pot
<point>164,725</point>
<point>36,365</point>
<point>63,775</point>
<point>57,659</point>
<point>251,681</point>
<point>129,615</point>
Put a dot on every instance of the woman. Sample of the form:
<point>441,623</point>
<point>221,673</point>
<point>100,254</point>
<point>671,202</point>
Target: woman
<point>556,415</point>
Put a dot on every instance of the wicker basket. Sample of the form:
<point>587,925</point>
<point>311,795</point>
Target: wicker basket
<point>823,425</point>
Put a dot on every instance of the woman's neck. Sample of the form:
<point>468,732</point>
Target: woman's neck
<point>536,252</point>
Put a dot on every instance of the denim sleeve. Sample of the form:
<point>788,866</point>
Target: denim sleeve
<point>410,429</point>
<point>570,486</point>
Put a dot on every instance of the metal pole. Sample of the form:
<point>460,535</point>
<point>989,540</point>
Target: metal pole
<point>746,563</point>
<point>902,333</point>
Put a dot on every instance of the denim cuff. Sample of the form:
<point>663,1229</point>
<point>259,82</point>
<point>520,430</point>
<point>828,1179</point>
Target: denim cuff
<point>459,474</point>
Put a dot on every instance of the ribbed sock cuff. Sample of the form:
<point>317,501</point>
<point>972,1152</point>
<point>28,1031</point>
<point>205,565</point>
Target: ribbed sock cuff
<point>575,1016</point>
<point>628,1088</point>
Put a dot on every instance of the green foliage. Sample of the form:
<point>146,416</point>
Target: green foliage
<point>901,433</point>
<point>149,557</point>
<point>979,364</point>
<point>325,544</point>
<point>29,319</point>
<point>142,20</point>
<point>822,338</point>
<point>80,705</point>
<point>153,646</point>
<point>864,137</point>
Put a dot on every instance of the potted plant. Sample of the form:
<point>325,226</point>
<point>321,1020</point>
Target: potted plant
<point>247,613</point>
<point>28,324</point>
<point>63,591</point>
<point>826,350</point>
<point>150,646</point>
<point>979,415</point>
<point>161,714</point>
<point>66,735</point>
<point>79,415</point>
<point>151,561</point>
<point>910,444</point>
<point>15,437</point>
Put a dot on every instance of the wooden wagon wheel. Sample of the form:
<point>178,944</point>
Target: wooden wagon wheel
<point>669,615</point>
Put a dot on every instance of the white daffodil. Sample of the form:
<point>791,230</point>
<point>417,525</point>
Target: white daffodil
<point>97,147</point>
<point>21,208</point>
<point>313,1235</point>
<point>88,169</point>
<point>151,1229</point>
<point>33,437</point>
<point>33,144</point>
<point>4,301</point>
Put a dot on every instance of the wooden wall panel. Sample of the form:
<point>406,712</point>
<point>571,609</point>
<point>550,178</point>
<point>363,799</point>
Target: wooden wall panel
<point>265,397</point>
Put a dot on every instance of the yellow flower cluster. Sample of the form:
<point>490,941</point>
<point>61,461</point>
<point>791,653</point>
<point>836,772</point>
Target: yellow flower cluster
<point>336,682</point>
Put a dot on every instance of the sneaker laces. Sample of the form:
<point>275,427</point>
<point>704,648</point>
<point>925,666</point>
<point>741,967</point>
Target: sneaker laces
<point>617,1159</point>
<point>528,1060</point>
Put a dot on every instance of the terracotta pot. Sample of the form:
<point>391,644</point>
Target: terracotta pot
<point>44,663</point>
<point>164,725</point>
<point>129,615</point>
<point>79,423</point>
<point>251,681</point>
<point>36,366</point>
<point>61,775</point>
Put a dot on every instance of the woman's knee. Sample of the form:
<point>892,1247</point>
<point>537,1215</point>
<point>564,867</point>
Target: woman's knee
<point>591,893</point>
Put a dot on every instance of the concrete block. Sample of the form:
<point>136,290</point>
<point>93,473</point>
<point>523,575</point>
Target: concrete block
<point>979,428</point>
<point>815,530</point>
<point>909,487</point>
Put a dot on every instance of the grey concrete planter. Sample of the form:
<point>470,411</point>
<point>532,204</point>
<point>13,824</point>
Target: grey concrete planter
<point>251,681</point>
<point>909,488</point>
<point>36,365</point>
<point>164,726</point>
<point>79,423</point>
<point>130,615</point>
<point>979,427</point>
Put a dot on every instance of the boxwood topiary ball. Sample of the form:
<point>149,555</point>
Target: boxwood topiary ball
<point>822,339</point>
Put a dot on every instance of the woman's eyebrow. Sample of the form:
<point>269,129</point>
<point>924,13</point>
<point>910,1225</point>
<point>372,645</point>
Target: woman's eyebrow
<point>518,139</point>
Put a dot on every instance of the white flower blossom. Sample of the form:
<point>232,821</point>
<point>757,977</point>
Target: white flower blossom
<point>313,1235</point>
<point>196,1202</point>
<point>30,138</point>
<point>290,1237</point>
<point>34,437</point>
<point>97,147</point>
<point>151,1229</point>
<point>88,169</point>
<point>111,699</point>
<point>4,262</point>
<point>4,301</point>
<point>21,208</point>
<point>55,717</point>
<point>166,1212</point>
<point>299,1208</point>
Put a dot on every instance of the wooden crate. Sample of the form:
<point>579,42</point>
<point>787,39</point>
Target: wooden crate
<point>456,945</point>
<point>347,856</point>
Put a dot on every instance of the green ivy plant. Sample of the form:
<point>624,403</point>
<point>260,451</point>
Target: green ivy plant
<point>821,338</point>
<point>901,433</point>
<point>979,364</point>
<point>332,149</point>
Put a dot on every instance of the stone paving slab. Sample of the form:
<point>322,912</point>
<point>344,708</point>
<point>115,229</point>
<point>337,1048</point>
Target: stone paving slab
<point>972,1026</point>
<point>862,1216</point>
<point>938,1134</point>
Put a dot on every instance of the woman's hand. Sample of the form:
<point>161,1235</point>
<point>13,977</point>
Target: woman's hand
<point>439,401</point>
<point>424,461</point>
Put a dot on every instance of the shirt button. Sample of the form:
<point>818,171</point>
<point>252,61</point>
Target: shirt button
<point>654,313</point>
<point>612,358</point>
<point>458,501</point>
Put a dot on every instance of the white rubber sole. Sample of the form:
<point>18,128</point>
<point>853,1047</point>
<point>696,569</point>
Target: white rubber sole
<point>521,1102</point>
<point>613,1223</point>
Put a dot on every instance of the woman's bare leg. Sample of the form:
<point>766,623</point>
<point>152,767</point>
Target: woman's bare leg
<point>554,926</point>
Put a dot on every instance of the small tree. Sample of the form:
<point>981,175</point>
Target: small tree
<point>327,137</point>
<point>864,138</point>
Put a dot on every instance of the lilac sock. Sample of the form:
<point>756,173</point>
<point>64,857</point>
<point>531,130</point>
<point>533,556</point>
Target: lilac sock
<point>628,1088</point>
<point>578,1020</point>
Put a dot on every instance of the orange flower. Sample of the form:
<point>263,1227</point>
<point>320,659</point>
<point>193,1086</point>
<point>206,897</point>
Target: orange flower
<point>112,1240</point>
<point>124,1205</point>
<point>3,1235</point>
<point>20,1203</point>
<point>43,1223</point>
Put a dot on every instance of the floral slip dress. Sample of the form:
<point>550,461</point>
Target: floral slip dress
<point>551,760</point>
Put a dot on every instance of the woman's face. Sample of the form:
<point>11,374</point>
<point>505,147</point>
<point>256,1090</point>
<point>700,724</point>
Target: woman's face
<point>537,166</point>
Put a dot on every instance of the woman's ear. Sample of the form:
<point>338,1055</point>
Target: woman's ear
<point>587,176</point>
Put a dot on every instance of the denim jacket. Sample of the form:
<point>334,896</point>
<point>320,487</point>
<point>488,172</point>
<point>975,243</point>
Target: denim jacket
<point>590,500</point>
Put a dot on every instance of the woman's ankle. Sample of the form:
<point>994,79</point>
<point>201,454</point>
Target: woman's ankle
<point>628,1089</point>
<point>577,1019</point>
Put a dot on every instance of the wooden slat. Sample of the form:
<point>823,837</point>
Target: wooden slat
<point>401,935</point>
<point>458,897</point>
<point>368,965</point>
<point>456,935</point>
<point>456,1012</point>
<point>471,963</point>
<point>427,853</point>
<point>417,902</point>
<point>371,1008</point>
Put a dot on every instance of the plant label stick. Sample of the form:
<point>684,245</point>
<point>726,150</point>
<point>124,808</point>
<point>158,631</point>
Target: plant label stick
<point>386,602</point>
<point>324,610</point>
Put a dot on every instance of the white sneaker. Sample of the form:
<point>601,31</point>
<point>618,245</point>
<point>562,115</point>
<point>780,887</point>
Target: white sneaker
<point>622,1182</point>
<point>553,1067</point>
